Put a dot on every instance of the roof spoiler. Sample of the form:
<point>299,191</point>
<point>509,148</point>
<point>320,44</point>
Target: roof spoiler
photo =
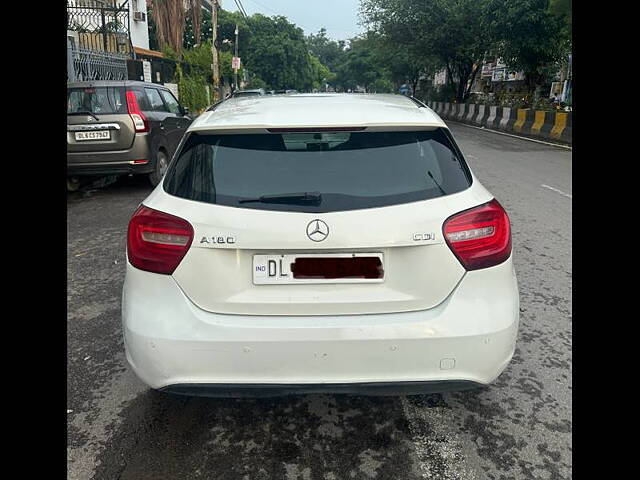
<point>315,129</point>
<point>418,102</point>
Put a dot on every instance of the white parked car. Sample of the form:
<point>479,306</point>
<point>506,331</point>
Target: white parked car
<point>319,242</point>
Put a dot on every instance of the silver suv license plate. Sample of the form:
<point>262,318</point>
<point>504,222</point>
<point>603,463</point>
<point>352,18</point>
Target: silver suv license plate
<point>93,135</point>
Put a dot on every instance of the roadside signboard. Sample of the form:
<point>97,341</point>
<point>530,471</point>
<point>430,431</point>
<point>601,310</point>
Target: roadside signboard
<point>498,75</point>
<point>512,76</point>
<point>146,70</point>
<point>440,78</point>
<point>487,70</point>
<point>235,63</point>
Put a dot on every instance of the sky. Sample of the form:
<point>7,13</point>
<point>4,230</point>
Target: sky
<point>339,17</point>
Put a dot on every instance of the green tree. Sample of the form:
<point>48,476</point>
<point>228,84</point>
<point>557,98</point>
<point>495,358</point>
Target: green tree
<point>273,50</point>
<point>276,52</point>
<point>562,9</point>
<point>360,66</point>
<point>532,38</point>
<point>227,22</point>
<point>529,35</point>
<point>455,34</point>
<point>320,73</point>
<point>402,63</point>
<point>329,52</point>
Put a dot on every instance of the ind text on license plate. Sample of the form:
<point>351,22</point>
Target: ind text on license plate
<point>300,268</point>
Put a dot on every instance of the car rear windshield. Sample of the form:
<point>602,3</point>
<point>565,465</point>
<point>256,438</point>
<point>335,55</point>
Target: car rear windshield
<point>317,172</point>
<point>96,100</point>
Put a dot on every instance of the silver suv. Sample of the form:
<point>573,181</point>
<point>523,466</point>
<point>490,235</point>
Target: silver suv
<point>121,127</point>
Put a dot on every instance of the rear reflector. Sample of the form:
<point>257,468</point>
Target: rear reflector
<point>337,267</point>
<point>138,162</point>
<point>156,241</point>
<point>139,120</point>
<point>479,237</point>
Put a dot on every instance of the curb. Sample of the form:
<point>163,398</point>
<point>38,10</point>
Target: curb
<point>559,145</point>
<point>491,119</point>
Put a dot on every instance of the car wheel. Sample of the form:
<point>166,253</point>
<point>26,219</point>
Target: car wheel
<point>162,163</point>
<point>73,184</point>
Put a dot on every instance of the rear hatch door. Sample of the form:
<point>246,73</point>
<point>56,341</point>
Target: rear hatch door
<point>379,196</point>
<point>98,120</point>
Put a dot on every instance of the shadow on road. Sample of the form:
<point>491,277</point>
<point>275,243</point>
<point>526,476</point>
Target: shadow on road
<point>168,436</point>
<point>111,185</point>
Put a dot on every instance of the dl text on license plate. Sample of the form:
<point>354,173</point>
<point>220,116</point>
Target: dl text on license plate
<point>276,269</point>
<point>93,135</point>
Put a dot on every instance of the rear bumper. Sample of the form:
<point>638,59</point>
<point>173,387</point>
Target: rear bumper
<point>276,390</point>
<point>112,162</point>
<point>465,341</point>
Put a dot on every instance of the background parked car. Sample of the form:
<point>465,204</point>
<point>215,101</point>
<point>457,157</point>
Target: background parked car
<point>121,127</point>
<point>248,93</point>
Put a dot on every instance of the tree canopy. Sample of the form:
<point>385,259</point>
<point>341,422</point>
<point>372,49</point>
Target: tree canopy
<point>406,41</point>
<point>531,38</point>
<point>273,50</point>
<point>458,35</point>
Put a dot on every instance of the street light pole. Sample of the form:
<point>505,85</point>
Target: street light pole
<point>214,51</point>
<point>236,47</point>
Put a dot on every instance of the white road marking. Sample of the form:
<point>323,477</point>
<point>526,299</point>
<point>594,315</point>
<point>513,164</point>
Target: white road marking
<point>557,191</point>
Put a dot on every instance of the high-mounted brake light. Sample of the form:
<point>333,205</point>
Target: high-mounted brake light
<point>139,120</point>
<point>479,237</point>
<point>156,241</point>
<point>315,129</point>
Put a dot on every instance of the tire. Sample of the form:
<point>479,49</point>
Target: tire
<point>73,184</point>
<point>162,163</point>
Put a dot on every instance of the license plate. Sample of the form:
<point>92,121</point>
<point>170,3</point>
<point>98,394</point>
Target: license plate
<point>300,268</point>
<point>93,135</point>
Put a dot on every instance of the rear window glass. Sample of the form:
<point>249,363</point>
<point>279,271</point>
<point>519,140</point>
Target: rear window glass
<point>141,97</point>
<point>337,170</point>
<point>96,100</point>
<point>155,100</point>
<point>172,103</point>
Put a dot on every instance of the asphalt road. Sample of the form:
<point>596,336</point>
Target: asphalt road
<point>517,428</point>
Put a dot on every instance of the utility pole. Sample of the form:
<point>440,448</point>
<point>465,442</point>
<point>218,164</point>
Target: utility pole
<point>214,51</point>
<point>236,70</point>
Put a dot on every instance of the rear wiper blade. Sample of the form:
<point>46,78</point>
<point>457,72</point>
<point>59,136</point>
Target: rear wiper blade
<point>84,113</point>
<point>436,182</point>
<point>313,198</point>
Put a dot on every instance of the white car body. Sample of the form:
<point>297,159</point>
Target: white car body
<point>429,325</point>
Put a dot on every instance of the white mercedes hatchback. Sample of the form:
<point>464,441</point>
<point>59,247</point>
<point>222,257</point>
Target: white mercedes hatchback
<point>325,242</point>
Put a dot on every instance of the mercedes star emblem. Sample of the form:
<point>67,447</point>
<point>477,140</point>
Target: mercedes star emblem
<point>317,230</point>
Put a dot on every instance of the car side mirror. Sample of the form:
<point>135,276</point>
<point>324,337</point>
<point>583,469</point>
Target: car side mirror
<point>185,110</point>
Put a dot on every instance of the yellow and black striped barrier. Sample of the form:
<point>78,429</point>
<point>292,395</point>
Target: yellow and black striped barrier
<point>548,125</point>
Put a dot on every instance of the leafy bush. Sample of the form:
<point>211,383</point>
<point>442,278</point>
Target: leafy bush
<point>192,90</point>
<point>443,93</point>
<point>256,82</point>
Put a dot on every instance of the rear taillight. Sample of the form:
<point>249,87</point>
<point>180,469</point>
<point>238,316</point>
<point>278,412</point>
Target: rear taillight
<point>139,120</point>
<point>157,241</point>
<point>480,237</point>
